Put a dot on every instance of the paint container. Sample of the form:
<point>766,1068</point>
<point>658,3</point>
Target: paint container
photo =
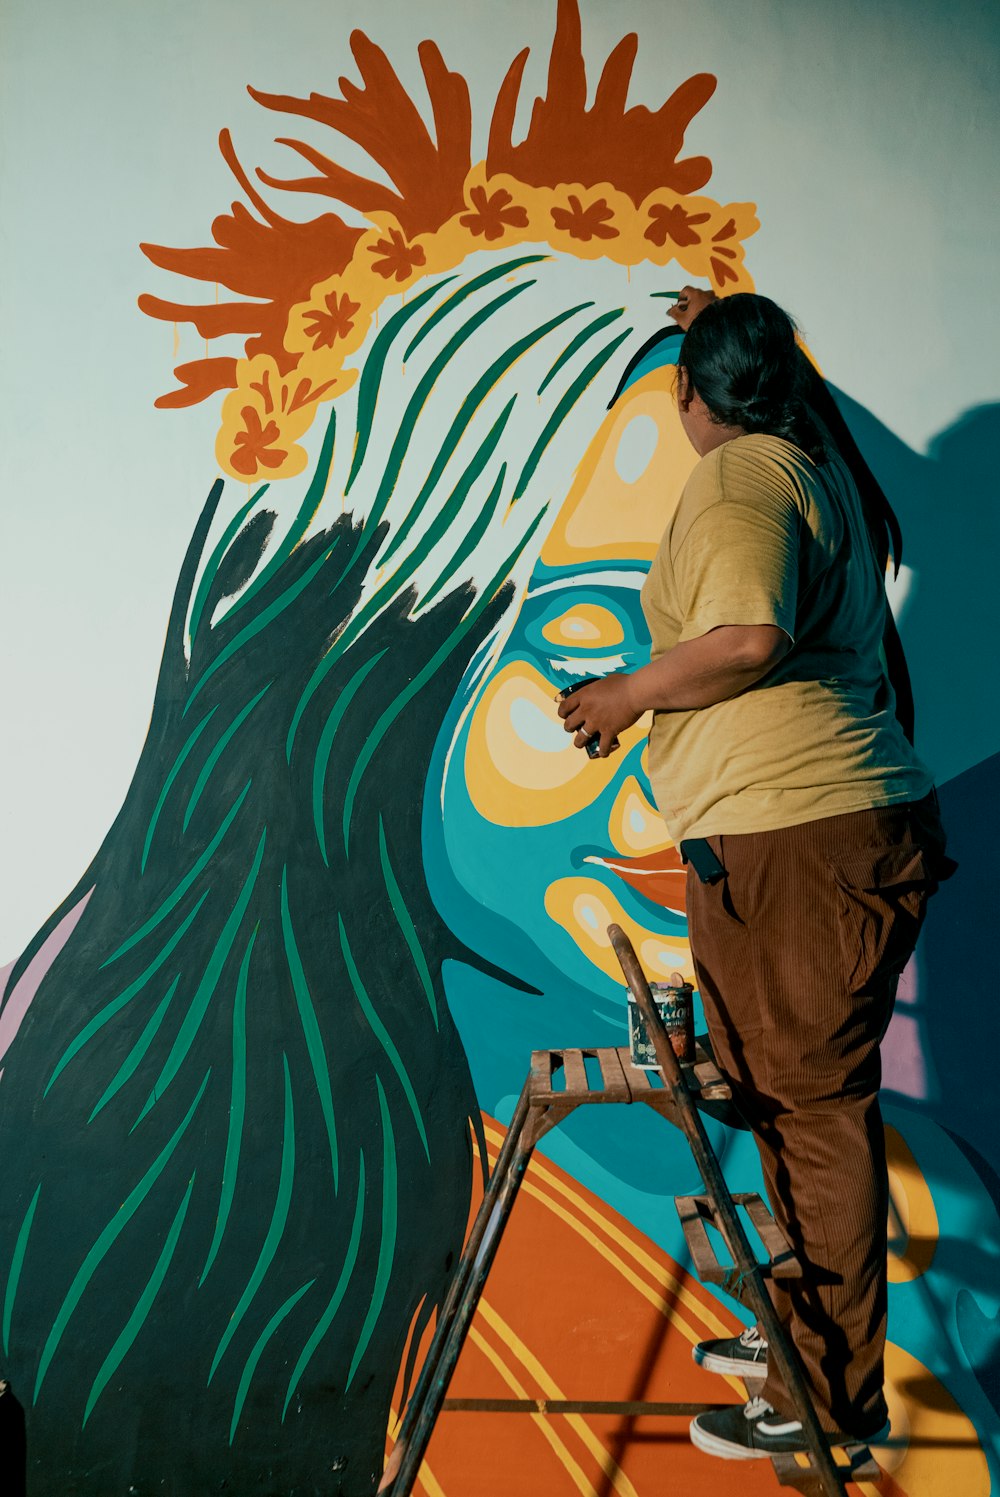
<point>593,746</point>
<point>675,1004</point>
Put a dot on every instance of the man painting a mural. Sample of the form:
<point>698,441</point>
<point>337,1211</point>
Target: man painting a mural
<point>260,1053</point>
<point>810,828</point>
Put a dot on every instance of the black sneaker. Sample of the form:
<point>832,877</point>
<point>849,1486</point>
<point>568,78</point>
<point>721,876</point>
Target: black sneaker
<point>758,1432</point>
<point>742,1356</point>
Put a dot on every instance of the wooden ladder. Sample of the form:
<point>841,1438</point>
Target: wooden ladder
<point>557,1084</point>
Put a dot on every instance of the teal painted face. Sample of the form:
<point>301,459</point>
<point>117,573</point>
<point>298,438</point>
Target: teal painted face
<point>533,849</point>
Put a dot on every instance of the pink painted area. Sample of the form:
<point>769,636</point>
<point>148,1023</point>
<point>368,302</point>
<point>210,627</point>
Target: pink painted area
<point>904,1069</point>
<point>909,983</point>
<point>16,1003</point>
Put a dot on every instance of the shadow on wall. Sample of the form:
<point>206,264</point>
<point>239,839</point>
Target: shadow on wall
<point>947,506</point>
<point>961,1033</point>
<point>946,503</point>
<point>962,1020</point>
<point>951,533</point>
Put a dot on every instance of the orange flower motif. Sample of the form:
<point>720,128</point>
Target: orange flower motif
<point>305,393</point>
<point>491,213</point>
<point>398,257</point>
<point>324,328</point>
<point>585,223</point>
<point>292,394</point>
<point>674,222</point>
<point>724,272</point>
<point>254,445</point>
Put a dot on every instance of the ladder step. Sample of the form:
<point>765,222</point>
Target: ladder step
<point>630,1408</point>
<point>709,1083</point>
<point>560,1077</point>
<point>697,1213</point>
<point>800,1472</point>
<point>571,1077</point>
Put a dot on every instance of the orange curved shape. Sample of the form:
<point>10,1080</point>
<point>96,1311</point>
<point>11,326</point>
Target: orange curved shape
<point>660,876</point>
<point>580,1304</point>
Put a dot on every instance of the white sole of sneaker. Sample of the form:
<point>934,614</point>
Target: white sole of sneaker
<point>712,1445</point>
<point>713,1362</point>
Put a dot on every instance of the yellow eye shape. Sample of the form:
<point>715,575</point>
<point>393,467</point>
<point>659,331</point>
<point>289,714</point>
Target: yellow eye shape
<point>628,484</point>
<point>913,1222</point>
<point>587,626</point>
<point>585,908</point>
<point>521,768</point>
<point>635,826</point>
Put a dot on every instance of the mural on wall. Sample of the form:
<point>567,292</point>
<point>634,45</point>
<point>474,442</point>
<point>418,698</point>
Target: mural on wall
<point>360,873</point>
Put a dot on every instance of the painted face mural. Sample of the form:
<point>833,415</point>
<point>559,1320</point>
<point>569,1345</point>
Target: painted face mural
<point>360,872</point>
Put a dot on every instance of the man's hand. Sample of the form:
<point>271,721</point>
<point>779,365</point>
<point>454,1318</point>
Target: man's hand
<point>601,710</point>
<point>687,306</point>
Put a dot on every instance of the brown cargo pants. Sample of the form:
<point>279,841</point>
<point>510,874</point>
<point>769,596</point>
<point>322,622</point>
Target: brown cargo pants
<point>797,953</point>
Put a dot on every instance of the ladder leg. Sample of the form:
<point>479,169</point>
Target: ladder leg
<point>727,1219</point>
<point>459,1306</point>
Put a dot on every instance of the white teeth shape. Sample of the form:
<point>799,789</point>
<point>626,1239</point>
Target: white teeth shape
<point>591,666</point>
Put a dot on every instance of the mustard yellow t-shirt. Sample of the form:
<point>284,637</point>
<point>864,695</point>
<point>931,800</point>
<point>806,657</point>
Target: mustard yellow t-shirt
<point>763,536</point>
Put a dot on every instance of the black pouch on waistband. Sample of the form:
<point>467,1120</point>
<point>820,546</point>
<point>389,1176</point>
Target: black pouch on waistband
<point>699,853</point>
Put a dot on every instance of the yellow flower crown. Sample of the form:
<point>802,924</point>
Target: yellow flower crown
<point>599,183</point>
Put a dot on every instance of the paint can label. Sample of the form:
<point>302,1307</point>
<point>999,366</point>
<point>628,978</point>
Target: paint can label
<point>675,1005</point>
